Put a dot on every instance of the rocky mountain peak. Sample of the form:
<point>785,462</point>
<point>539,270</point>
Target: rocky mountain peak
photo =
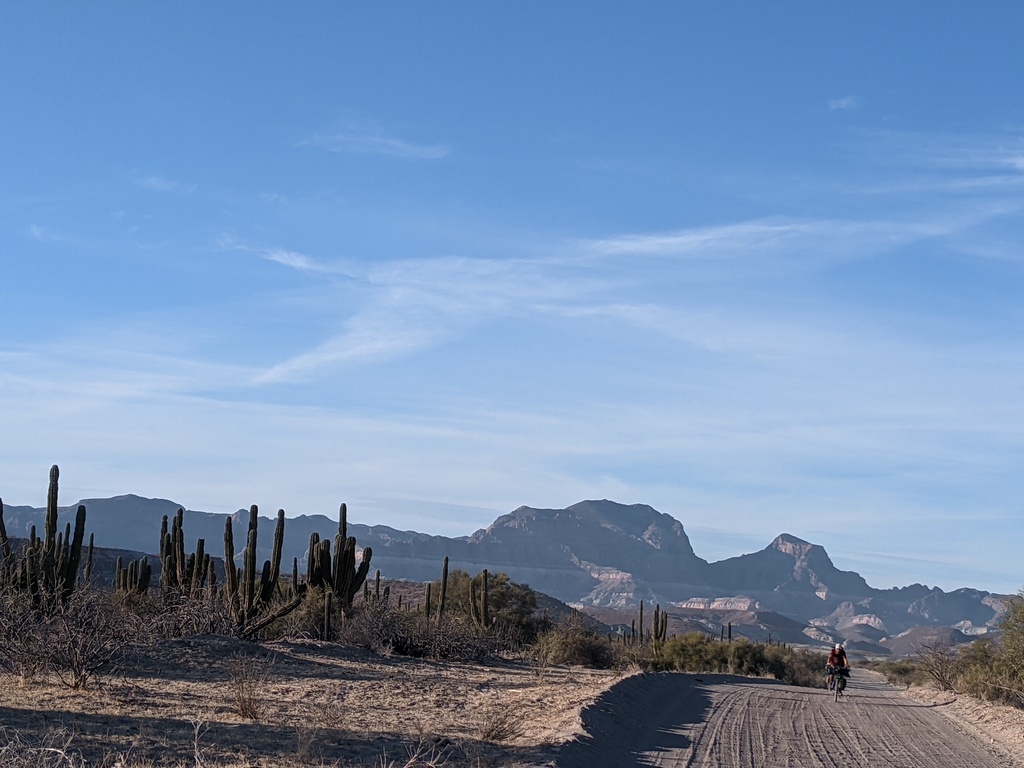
<point>791,545</point>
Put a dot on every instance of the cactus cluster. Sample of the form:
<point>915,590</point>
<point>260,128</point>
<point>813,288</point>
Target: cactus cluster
<point>134,578</point>
<point>183,573</point>
<point>337,574</point>
<point>659,631</point>
<point>378,596</point>
<point>47,568</point>
<point>251,594</point>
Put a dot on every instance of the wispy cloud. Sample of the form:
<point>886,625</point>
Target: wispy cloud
<point>158,183</point>
<point>778,246</point>
<point>846,104</point>
<point>371,141</point>
<point>413,304</point>
<point>980,154</point>
<point>703,242</point>
<point>294,260</point>
<point>406,306</point>
<point>39,234</point>
<point>283,256</point>
<point>366,339</point>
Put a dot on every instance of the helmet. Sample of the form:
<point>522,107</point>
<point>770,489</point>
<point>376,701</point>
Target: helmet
<point>839,647</point>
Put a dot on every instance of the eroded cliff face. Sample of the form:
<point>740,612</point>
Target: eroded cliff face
<point>627,553</point>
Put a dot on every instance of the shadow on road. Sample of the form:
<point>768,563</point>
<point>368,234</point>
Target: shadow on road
<point>641,711</point>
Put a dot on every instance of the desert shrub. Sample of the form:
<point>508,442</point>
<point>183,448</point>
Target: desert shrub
<point>799,666</point>
<point>76,639</point>
<point>88,635</point>
<point>456,639</point>
<point>500,722</point>
<point>378,626</point>
<point>694,652</point>
<point>986,671</point>
<point>1012,645</point>
<point>383,628</point>
<point>900,672</point>
<point>698,652</point>
<point>306,621</point>
<point>175,614</point>
<point>942,663</point>
<point>52,751</point>
<point>573,642</point>
<point>247,677</point>
<point>22,644</point>
<point>512,606</point>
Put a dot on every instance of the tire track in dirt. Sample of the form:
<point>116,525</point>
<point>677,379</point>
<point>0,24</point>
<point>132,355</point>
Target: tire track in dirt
<point>719,721</point>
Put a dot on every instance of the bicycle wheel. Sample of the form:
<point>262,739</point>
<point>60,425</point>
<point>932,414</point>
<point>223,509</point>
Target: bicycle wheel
<point>837,692</point>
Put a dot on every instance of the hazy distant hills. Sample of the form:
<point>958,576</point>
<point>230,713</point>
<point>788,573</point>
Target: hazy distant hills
<point>602,555</point>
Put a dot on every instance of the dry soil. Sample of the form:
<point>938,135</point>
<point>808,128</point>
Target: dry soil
<point>323,705</point>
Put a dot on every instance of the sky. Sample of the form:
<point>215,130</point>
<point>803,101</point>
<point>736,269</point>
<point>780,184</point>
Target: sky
<point>757,265</point>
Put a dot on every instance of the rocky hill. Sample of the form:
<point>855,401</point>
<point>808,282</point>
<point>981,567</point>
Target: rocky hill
<point>603,555</point>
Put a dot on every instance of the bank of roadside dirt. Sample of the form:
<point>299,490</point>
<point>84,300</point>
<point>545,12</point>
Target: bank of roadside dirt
<point>995,723</point>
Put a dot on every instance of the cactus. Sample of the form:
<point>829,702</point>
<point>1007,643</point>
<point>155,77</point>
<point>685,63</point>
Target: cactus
<point>5,544</point>
<point>328,610</point>
<point>250,593</point>
<point>444,590</point>
<point>48,569</point>
<point>660,625</point>
<point>478,602</point>
<point>134,579</point>
<point>339,573</point>
<point>181,573</point>
<point>87,575</point>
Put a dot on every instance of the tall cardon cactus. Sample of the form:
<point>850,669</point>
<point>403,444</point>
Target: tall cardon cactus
<point>338,573</point>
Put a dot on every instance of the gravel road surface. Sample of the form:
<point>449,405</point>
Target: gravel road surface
<point>720,721</point>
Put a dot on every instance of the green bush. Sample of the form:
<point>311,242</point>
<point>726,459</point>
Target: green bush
<point>698,652</point>
<point>512,606</point>
<point>986,669</point>
<point>573,642</point>
<point>902,672</point>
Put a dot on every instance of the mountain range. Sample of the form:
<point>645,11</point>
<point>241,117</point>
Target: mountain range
<point>604,557</point>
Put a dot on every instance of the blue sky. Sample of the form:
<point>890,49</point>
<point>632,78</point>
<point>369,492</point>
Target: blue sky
<point>757,265</point>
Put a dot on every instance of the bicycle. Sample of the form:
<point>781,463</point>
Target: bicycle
<point>836,681</point>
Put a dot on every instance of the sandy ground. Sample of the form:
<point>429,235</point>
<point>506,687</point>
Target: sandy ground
<point>323,705</point>
<point>994,723</point>
<point>717,721</point>
<point>317,704</point>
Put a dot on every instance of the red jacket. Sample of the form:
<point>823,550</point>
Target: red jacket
<point>838,658</point>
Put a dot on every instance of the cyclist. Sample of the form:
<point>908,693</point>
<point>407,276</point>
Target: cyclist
<point>837,665</point>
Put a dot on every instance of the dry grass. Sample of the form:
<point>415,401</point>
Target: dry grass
<point>247,678</point>
<point>317,704</point>
<point>500,722</point>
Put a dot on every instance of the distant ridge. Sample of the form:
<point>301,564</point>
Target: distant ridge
<point>596,553</point>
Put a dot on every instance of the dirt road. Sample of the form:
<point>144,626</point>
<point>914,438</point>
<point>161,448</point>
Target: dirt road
<point>718,721</point>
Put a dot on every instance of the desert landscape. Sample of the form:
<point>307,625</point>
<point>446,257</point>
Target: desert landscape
<point>168,664</point>
<point>178,704</point>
